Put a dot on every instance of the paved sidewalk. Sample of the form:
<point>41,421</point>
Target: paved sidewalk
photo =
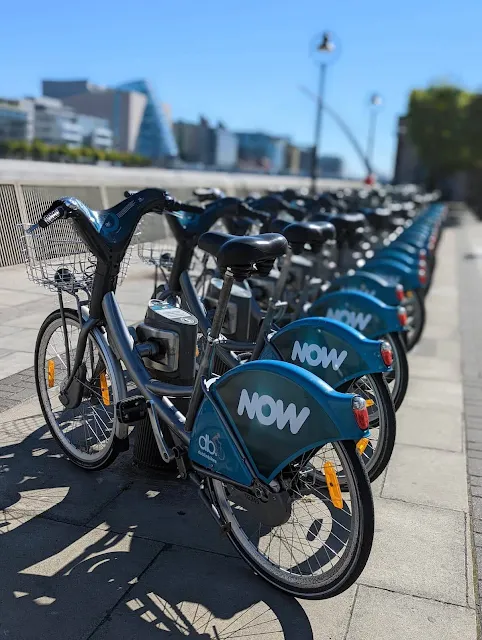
<point>25,305</point>
<point>122,555</point>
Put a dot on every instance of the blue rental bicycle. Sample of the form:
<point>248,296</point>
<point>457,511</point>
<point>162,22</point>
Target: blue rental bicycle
<point>265,444</point>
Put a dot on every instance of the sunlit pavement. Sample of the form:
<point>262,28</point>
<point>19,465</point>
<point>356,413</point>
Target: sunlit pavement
<point>120,554</point>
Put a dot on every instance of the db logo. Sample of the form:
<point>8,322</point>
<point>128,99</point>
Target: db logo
<point>207,445</point>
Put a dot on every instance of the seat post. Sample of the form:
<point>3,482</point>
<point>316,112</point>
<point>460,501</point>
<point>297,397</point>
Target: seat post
<point>222,304</point>
<point>213,335</point>
<point>283,276</point>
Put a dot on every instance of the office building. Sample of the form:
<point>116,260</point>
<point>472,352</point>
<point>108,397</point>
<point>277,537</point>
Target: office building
<point>328,166</point>
<point>262,152</point>
<point>55,123</point>
<point>194,142</point>
<point>16,120</point>
<point>226,146</point>
<point>293,159</point>
<point>205,146</point>
<point>96,132</point>
<point>138,122</point>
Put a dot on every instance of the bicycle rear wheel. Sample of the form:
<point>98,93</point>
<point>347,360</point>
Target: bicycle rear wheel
<point>85,433</point>
<point>415,307</point>
<point>397,379</point>
<point>376,450</point>
<point>324,545</point>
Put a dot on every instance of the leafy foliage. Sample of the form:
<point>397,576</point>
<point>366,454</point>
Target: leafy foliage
<point>445,125</point>
<point>38,150</point>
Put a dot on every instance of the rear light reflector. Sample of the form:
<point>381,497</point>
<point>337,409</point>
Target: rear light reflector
<point>402,316</point>
<point>360,412</point>
<point>386,353</point>
<point>399,292</point>
<point>422,276</point>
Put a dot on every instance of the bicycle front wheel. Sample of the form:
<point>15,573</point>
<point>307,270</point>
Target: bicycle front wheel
<point>323,546</point>
<point>85,432</point>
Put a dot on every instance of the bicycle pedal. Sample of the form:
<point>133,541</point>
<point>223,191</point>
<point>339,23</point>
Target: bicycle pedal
<point>131,409</point>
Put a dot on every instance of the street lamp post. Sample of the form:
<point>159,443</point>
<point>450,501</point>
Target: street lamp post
<point>375,103</point>
<point>323,50</point>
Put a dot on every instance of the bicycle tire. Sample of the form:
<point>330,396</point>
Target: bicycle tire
<point>378,461</point>
<point>52,322</point>
<point>414,336</point>
<point>363,538</point>
<point>400,366</point>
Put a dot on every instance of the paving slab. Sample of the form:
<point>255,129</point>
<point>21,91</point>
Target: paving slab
<point>434,394</point>
<point>437,429</point>
<point>418,550</point>
<point>441,349</point>
<point>393,616</point>
<point>197,594</point>
<point>37,478</point>
<point>60,580</point>
<point>20,340</point>
<point>165,510</point>
<point>427,476</point>
<point>433,368</point>
<point>14,298</point>
<point>14,362</point>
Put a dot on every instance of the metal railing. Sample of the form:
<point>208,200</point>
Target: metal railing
<point>28,188</point>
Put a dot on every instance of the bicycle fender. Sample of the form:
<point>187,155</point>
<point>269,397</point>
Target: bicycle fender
<point>358,310</point>
<point>372,283</point>
<point>212,446</point>
<point>121,430</point>
<point>278,411</point>
<point>386,266</point>
<point>333,351</point>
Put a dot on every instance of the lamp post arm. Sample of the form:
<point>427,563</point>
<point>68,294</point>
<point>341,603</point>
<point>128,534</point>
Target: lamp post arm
<point>343,126</point>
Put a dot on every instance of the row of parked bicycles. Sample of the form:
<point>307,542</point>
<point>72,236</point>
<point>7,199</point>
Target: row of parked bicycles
<point>270,363</point>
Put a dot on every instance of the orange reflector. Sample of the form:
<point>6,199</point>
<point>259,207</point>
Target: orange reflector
<point>104,389</point>
<point>51,373</point>
<point>361,445</point>
<point>369,403</point>
<point>333,484</point>
<point>409,294</point>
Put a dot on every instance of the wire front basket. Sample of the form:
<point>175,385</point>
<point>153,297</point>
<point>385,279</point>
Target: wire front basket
<point>58,259</point>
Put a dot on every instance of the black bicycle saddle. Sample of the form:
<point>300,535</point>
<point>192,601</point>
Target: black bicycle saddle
<point>241,254</point>
<point>300,233</point>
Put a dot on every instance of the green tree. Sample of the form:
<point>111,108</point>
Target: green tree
<point>39,150</point>
<point>438,125</point>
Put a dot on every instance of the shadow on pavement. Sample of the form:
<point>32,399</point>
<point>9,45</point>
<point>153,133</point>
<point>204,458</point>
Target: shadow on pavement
<point>81,560</point>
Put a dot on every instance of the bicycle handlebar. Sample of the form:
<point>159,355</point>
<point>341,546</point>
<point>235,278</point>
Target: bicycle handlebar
<point>49,217</point>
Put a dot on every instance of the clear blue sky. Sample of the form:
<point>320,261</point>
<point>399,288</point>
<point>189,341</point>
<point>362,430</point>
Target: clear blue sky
<point>243,61</point>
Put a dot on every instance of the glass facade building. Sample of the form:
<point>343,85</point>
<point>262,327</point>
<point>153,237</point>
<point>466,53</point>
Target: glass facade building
<point>155,138</point>
<point>262,151</point>
<point>16,120</point>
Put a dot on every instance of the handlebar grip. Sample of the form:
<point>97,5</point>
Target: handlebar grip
<point>49,217</point>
